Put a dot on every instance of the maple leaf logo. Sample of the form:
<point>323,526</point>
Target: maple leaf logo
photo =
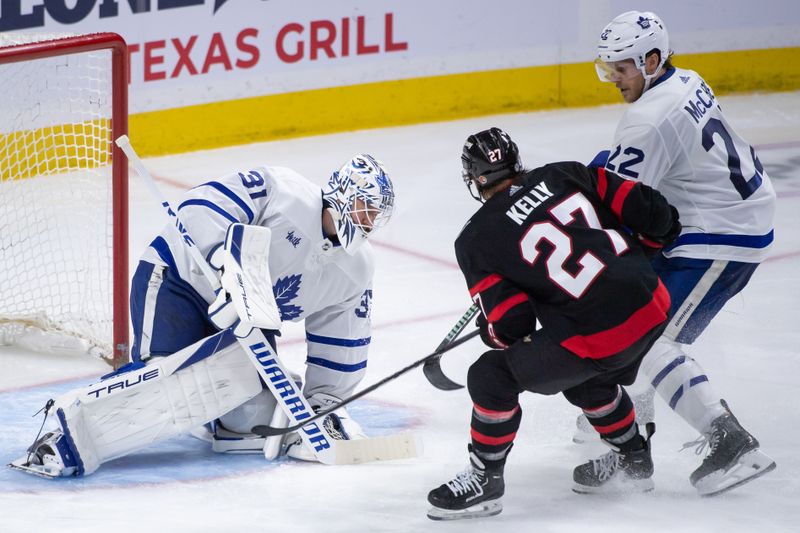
<point>285,291</point>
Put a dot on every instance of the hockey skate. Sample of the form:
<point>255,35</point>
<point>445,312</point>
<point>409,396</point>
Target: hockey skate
<point>733,458</point>
<point>49,457</point>
<point>473,493</point>
<point>619,471</point>
<point>645,412</point>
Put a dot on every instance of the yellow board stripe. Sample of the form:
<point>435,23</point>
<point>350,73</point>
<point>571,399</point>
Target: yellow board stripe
<point>411,101</point>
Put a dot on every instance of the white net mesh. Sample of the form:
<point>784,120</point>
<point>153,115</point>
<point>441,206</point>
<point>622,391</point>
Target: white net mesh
<point>55,214</point>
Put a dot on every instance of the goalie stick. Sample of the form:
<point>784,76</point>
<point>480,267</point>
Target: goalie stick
<point>268,431</point>
<point>260,352</point>
<point>433,368</point>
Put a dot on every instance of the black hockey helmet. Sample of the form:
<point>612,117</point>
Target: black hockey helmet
<point>489,156</point>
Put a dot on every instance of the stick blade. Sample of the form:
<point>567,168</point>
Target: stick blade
<point>435,375</point>
<point>269,431</point>
<point>389,448</point>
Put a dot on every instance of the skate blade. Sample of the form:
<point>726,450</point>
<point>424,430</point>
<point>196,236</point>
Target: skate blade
<point>22,465</point>
<point>628,486</point>
<point>750,466</point>
<point>582,437</point>
<point>487,508</point>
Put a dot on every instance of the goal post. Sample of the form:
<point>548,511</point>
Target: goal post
<point>64,191</point>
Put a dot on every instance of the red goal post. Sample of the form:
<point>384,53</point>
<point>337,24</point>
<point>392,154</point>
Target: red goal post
<point>65,101</point>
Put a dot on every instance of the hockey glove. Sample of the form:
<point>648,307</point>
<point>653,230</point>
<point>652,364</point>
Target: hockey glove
<point>489,336</point>
<point>653,244</point>
<point>245,299</point>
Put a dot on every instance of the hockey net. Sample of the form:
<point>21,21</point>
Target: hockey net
<point>63,191</point>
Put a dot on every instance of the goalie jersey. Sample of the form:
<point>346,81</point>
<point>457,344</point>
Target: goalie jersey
<point>313,279</point>
<point>676,139</point>
<point>555,247</point>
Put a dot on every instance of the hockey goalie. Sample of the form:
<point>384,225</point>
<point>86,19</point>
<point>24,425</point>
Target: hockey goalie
<point>282,249</point>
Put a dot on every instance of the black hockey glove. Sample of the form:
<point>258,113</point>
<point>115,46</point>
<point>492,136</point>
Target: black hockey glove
<point>653,244</point>
<point>483,325</point>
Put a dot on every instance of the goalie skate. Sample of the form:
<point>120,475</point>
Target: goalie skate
<point>48,457</point>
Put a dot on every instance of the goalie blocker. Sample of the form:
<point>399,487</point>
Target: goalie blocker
<point>245,299</point>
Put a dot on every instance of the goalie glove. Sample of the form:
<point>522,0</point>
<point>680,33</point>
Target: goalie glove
<point>245,299</point>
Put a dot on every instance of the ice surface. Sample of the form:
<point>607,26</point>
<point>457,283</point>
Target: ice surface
<point>750,353</point>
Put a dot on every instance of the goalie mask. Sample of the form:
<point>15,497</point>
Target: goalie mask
<point>360,197</point>
<point>488,157</point>
<point>632,35</point>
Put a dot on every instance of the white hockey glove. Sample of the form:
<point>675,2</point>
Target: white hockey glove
<point>245,300</point>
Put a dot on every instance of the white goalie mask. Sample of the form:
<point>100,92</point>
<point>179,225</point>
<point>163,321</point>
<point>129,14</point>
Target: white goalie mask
<point>632,35</point>
<point>360,197</point>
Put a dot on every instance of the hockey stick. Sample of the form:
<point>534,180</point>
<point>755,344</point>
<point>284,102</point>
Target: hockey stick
<point>258,349</point>
<point>433,368</point>
<point>268,431</point>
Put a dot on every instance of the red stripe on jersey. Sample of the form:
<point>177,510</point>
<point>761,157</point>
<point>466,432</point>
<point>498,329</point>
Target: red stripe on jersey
<point>619,197</point>
<point>614,340</point>
<point>484,284</point>
<point>602,183</point>
<point>499,416</point>
<point>502,308</point>
<point>495,339</point>
<point>611,428</point>
<point>648,242</point>
<point>491,441</point>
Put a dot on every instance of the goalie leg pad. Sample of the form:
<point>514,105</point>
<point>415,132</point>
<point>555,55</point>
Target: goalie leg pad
<point>129,411</point>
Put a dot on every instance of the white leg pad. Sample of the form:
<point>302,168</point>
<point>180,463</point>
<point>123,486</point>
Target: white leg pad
<point>171,395</point>
<point>682,383</point>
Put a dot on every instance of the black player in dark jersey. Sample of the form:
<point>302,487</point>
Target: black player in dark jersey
<point>567,245</point>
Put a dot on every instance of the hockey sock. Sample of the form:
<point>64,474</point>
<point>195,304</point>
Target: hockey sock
<point>493,431</point>
<point>615,421</point>
<point>496,413</point>
<point>682,383</point>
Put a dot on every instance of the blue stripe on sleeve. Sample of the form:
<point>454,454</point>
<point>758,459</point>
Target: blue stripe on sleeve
<point>233,196</point>
<point>339,367</point>
<point>333,341</point>
<point>211,205</point>
<point>742,241</point>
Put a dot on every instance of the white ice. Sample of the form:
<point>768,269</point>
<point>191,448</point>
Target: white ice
<point>750,353</point>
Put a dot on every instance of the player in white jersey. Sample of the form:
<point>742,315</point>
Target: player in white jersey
<point>320,270</point>
<point>674,137</point>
